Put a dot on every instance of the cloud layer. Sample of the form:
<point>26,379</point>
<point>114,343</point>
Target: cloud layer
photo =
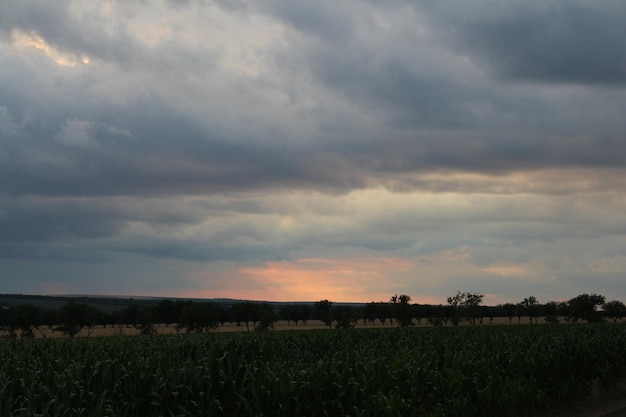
<point>265,150</point>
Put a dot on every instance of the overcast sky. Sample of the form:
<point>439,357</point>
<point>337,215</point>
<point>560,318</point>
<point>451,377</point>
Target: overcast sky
<point>306,150</point>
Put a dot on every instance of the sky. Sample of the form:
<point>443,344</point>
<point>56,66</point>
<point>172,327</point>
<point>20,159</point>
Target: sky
<point>306,150</point>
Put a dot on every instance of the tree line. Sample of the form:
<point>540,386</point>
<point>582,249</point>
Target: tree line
<point>199,316</point>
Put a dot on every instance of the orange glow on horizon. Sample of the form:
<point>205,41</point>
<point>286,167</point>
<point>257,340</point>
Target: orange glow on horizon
<point>346,280</point>
<point>355,279</point>
<point>311,279</point>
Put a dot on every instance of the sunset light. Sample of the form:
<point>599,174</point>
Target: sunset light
<point>301,151</point>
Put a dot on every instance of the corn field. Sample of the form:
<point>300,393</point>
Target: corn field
<point>465,371</point>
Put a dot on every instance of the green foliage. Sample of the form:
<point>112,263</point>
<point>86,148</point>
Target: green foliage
<point>22,318</point>
<point>464,305</point>
<point>267,316</point>
<point>245,312</point>
<point>75,316</point>
<point>295,313</point>
<point>452,371</point>
<point>585,307</point>
<point>529,306</point>
<point>200,317</point>
<point>322,310</point>
<point>402,309</point>
<point>378,311</point>
<point>509,310</point>
<point>345,317</point>
<point>551,312</point>
<point>615,310</point>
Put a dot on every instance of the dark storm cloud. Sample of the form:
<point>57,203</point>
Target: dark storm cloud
<point>169,154</point>
<point>162,164</point>
<point>91,229</point>
<point>435,111</point>
<point>451,116</point>
<point>183,132</point>
<point>43,220</point>
<point>549,41</point>
<point>416,99</point>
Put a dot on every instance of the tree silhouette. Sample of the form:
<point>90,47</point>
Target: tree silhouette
<point>322,310</point>
<point>530,305</point>
<point>551,312</point>
<point>615,310</point>
<point>199,317</point>
<point>345,316</point>
<point>73,317</point>
<point>402,309</point>
<point>245,311</point>
<point>23,317</point>
<point>585,307</point>
<point>464,305</point>
<point>266,316</point>
<point>295,313</point>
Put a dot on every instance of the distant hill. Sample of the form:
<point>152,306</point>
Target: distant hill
<point>54,302</point>
<point>112,303</point>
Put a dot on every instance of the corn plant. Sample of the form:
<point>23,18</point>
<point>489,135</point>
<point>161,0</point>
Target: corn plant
<point>464,371</point>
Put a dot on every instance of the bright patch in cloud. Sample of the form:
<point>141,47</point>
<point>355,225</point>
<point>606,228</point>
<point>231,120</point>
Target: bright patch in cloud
<point>508,270</point>
<point>23,40</point>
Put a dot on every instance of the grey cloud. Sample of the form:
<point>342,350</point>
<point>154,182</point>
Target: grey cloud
<point>395,71</point>
<point>59,27</point>
<point>198,251</point>
<point>45,223</point>
<point>333,25</point>
<point>549,41</point>
<point>87,31</point>
<point>162,152</point>
<point>491,127</point>
<point>426,116</point>
<point>169,154</point>
<point>419,100</point>
<point>121,275</point>
<point>159,153</point>
<point>90,229</point>
<point>55,252</point>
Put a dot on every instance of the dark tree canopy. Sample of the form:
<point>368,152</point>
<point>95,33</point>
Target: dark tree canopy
<point>585,307</point>
<point>615,310</point>
<point>322,310</point>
